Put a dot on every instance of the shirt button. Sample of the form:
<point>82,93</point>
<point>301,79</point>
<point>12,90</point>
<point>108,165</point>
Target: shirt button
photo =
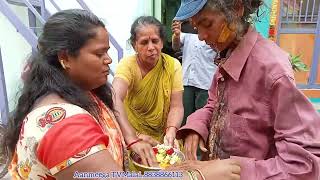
<point>222,79</point>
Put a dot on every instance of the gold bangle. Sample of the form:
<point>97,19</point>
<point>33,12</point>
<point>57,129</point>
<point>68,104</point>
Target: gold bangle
<point>194,175</point>
<point>201,174</point>
<point>190,175</point>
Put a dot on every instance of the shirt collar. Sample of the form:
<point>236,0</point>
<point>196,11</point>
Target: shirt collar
<point>238,58</point>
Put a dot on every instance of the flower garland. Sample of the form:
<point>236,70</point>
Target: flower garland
<point>273,20</point>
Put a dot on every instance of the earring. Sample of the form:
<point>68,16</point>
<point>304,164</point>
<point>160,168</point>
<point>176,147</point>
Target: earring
<point>62,64</point>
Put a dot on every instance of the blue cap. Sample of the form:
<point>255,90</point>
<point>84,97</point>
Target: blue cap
<point>189,8</point>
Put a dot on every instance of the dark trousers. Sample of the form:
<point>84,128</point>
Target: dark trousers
<point>193,98</point>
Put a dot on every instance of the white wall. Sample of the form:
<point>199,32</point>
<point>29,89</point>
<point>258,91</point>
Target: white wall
<point>157,10</point>
<point>118,16</point>
<point>14,50</point>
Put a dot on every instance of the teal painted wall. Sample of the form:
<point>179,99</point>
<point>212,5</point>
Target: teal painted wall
<point>262,19</point>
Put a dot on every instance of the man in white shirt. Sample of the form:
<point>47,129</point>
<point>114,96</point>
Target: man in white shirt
<point>198,68</point>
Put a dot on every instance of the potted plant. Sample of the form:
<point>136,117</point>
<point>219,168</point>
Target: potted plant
<point>297,64</point>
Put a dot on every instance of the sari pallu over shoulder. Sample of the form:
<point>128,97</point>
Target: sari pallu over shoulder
<point>148,106</point>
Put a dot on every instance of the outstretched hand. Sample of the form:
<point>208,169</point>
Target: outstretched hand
<point>145,151</point>
<point>191,143</point>
<point>226,169</point>
<point>148,139</point>
<point>170,138</point>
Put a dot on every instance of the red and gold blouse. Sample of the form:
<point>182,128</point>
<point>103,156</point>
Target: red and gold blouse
<point>56,136</point>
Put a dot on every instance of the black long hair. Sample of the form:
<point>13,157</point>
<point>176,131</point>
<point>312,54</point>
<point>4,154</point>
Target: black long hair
<point>67,30</point>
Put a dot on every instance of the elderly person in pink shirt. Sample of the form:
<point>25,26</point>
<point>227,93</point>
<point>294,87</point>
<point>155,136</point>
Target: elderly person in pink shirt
<point>255,114</point>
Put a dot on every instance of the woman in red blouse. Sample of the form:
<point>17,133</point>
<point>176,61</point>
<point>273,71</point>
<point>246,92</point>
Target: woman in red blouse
<point>65,112</point>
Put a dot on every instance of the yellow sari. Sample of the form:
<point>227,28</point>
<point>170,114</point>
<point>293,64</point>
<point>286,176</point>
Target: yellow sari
<point>147,106</point>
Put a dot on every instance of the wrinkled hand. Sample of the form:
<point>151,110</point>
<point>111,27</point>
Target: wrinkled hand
<point>226,169</point>
<point>191,143</point>
<point>176,28</point>
<point>145,151</point>
<point>148,139</point>
<point>170,138</point>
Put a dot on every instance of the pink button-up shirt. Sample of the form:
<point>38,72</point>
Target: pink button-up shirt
<point>273,129</point>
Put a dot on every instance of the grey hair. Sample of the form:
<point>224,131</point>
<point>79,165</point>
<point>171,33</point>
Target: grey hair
<point>143,21</point>
<point>229,9</point>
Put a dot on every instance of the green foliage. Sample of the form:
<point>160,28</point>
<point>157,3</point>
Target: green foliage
<point>297,64</point>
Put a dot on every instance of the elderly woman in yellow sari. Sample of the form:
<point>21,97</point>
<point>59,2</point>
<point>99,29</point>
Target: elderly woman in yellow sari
<point>148,87</point>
